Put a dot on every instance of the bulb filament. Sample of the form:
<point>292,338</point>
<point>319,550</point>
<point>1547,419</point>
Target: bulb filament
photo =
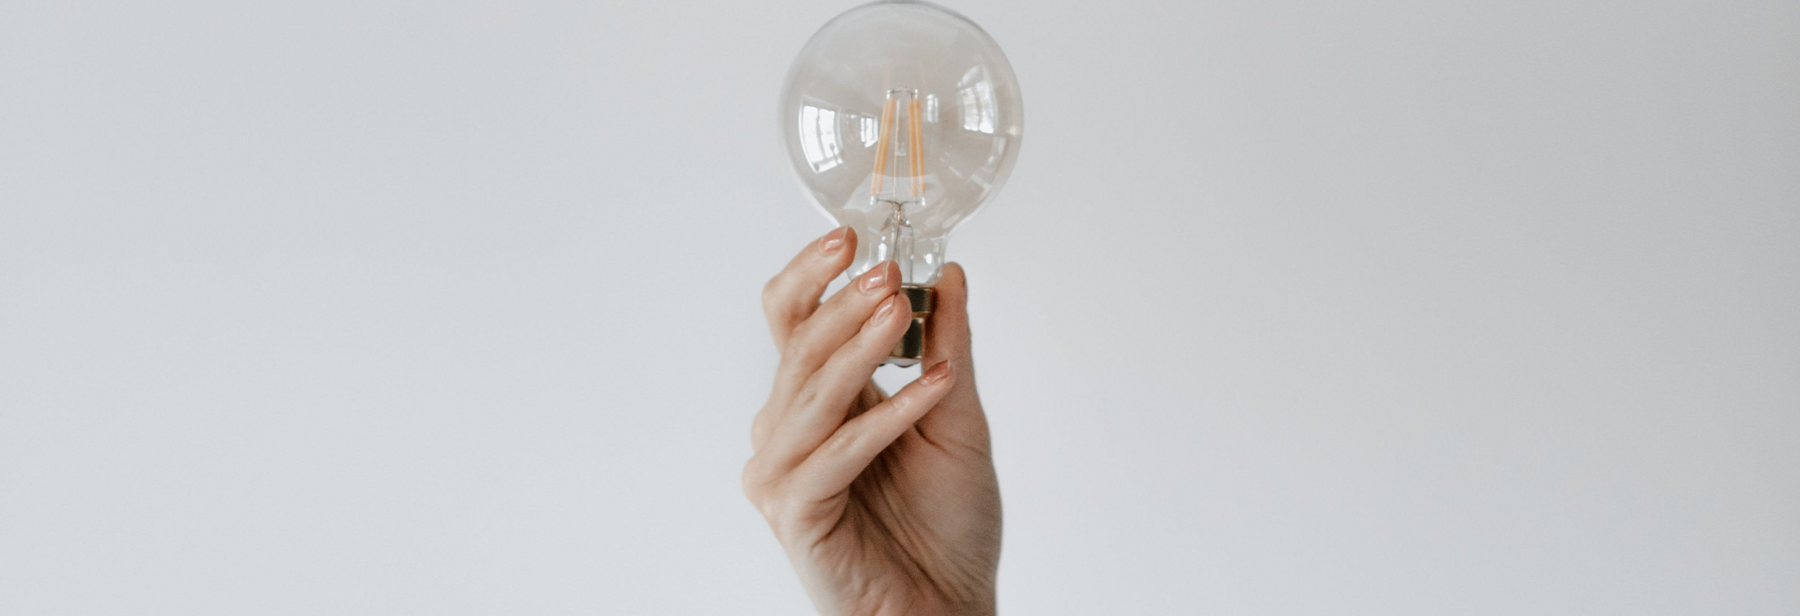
<point>914,146</point>
<point>897,234</point>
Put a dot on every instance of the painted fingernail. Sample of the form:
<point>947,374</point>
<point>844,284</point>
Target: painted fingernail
<point>887,307</point>
<point>833,240</point>
<point>876,278</point>
<point>936,373</point>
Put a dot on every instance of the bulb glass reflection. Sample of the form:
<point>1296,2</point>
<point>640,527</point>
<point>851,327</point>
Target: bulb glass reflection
<point>902,120</point>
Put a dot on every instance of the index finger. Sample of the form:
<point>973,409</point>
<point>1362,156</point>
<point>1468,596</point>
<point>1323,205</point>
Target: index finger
<point>793,294</point>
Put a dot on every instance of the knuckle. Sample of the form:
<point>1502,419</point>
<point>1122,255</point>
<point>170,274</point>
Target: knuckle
<point>899,404</point>
<point>788,513</point>
<point>839,444</point>
<point>787,374</point>
<point>875,338</point>
<point>754,485</point>
<point>808,397</point>
<point>759,429</point>
<point>797,341</point>
<point>775,505</point>
<point>771,294</point>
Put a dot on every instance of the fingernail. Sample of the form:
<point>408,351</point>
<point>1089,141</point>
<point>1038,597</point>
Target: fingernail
<point>875,279</point>
<point>887,308</point>
<point>833,240</point>
<point>936,373</point>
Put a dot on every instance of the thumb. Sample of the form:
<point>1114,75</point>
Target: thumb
<point>947,331</point>
<point>958,415</point>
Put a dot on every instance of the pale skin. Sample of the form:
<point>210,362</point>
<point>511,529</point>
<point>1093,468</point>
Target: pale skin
<point>884,505</point>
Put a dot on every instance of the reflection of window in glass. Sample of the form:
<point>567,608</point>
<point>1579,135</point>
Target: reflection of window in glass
<point>975,94</point>
<point>866,126</point>
<point>819,138</point>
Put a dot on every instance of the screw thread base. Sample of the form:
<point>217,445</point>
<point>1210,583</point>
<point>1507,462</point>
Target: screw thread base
<point>911,348</point>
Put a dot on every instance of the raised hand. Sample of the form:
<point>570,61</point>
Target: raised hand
<point>884,505</point>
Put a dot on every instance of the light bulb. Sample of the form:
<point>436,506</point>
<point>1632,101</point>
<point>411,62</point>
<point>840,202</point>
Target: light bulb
<point>902,119</point>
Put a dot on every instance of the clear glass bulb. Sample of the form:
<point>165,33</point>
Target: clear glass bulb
<point>902,119</point>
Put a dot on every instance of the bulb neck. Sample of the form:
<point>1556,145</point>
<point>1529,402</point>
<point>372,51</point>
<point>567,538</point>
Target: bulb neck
<point>890,235</point>
<point>911,348</point>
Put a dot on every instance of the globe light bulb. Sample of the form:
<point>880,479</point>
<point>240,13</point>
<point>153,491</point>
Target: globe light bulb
<point>902,119</point>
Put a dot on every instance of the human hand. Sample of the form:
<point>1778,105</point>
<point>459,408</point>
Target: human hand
<point>883,505</point>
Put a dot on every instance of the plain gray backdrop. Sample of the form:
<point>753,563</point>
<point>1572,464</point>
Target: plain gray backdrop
<point>1289,307</point>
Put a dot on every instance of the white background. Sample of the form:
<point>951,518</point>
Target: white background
<point>1289,308</point>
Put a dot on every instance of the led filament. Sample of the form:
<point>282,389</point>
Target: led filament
<point>885,150</point>
<point>867,85</point>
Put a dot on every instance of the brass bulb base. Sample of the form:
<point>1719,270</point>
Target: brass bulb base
<point>911,348</point>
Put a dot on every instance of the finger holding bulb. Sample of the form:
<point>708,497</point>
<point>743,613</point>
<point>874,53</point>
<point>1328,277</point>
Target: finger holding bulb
<point>816,407</point>
<point>875,515</point>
